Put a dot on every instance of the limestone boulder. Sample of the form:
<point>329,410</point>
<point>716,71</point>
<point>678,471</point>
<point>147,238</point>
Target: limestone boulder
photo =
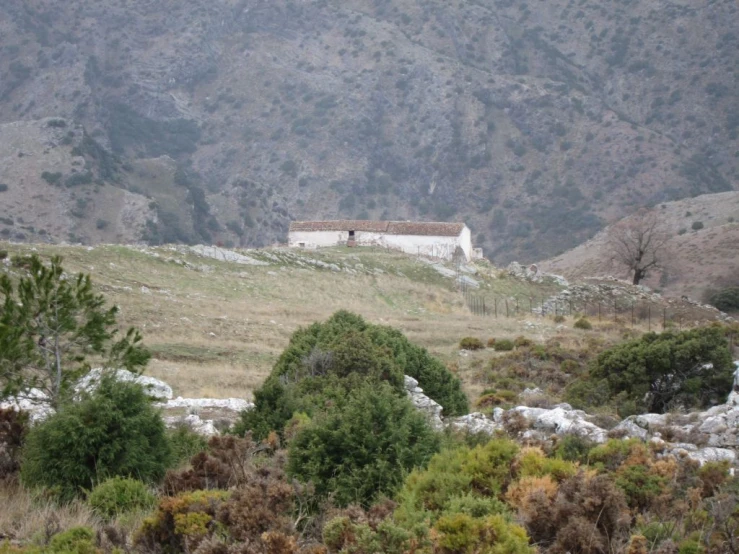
<point>155,388</point>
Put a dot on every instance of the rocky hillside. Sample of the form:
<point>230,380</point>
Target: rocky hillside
<point>535,122</point>
<point>700,255</point>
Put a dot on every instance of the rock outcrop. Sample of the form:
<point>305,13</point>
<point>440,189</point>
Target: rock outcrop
<point>423,403</point>
<point>712,435</point>
<point>155,388</point>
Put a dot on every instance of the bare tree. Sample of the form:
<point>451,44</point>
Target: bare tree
<point>639,243</point>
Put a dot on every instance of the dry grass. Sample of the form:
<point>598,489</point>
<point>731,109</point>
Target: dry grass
<point>216,328</point>
<point>29,518</point>
<point>26,518</point>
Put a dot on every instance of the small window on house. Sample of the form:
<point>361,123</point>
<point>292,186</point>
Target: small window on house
<point>351,235</point>
<point>301,244</point>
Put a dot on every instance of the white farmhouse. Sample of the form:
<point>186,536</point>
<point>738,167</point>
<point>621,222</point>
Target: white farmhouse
<point>434,239</point>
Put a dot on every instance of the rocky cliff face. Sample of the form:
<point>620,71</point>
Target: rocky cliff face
<point>534,122</point>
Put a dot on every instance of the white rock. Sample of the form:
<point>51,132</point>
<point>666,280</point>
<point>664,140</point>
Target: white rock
<point>570,422</point>
<point>155,388</point>
<point>473,423</point>
<point>232,404</point>
<point>203,427</point>
<point>711,454</point>
<point>423,403</point>
<point>35,402</point>
<point>630,429</point>
<point>224,255</point>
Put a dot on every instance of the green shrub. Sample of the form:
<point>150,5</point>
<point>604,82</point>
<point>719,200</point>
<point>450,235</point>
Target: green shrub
<point>583,323</point>
<point>462,533</point>
<point>113,431</point>
<point>726,300</point>
<point>503,345</point>
<point>120,495</point>
<point>3,187</point>
<point>51,178</point>
<point>341,534</point>
<point>77,179</point>
<point>558,318</point>
<point>686,369</point>
<point>522,342</point>
<point>471,343</point>
<point>181,522</point>
<point>3,254</point>
<point>363,449</point>
<point>77,540</point>
<point>640,485</point>
<point>325,361</point>
<point>452,475</point>
<point>697,225</point>
<point>587,392</point>
<point>573,448</point>
<point>185,443</point>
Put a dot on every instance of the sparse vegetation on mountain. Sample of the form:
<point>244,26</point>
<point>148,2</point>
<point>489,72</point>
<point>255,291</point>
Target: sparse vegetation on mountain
<point>51,326</point>
<point>536,134</point>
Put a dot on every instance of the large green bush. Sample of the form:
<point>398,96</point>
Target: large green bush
<point>325,361</point>
<point>660,371</point>
<point>113,431</point>
<point>364,448</point>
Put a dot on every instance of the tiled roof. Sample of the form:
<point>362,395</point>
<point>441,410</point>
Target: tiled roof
<point>428,228</point>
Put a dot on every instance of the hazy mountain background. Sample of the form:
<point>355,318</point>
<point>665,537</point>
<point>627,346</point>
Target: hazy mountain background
<point>536,122</point>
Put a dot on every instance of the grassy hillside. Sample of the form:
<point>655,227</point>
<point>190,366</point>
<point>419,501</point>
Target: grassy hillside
<point>216,327</point>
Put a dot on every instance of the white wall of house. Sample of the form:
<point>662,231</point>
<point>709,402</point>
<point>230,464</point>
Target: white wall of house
<point>424,245</point>
<point>313,239</point>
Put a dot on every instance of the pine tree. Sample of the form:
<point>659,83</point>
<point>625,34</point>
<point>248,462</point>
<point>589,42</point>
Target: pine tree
<point>51,324</point>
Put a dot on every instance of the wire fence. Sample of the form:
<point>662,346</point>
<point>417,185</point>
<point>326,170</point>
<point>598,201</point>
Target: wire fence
<point>625,311</point>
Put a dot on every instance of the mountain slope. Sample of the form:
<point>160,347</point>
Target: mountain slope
<point>536,123</point>
<point>701,254</point>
